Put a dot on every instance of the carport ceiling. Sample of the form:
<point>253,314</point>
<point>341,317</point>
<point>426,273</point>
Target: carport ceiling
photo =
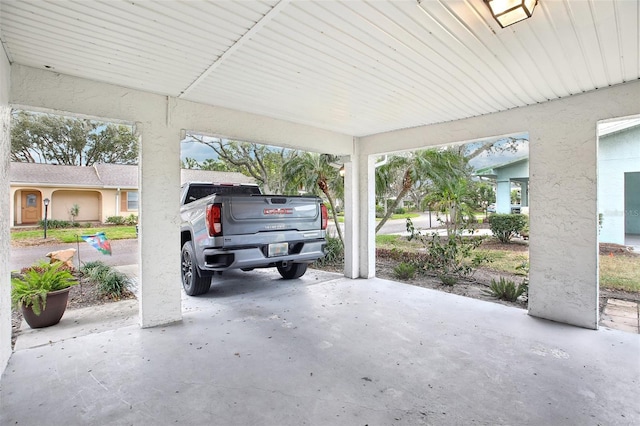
<point>355,67</point>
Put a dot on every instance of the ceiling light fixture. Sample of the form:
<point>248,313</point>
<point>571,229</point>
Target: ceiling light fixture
<point>508,12</point>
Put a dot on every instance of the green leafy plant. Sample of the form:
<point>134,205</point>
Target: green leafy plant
<point>74,212</point>
<point>405,271</point>
<point>115,220</point>
<point>505,226</point>
<point>57,224</point>
<point>523,269</point>
<point>31,286</point>
<point>450,258</point>
<point>506,289</point>
<point>334,253</point>
<point>132,219</point>
<point>111,283</point>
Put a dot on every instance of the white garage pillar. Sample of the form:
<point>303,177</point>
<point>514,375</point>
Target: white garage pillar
<point>159,171</point>
<point>367,216</point>
<point>563,250</point>
<point>352,219</point>
<point>5,152</point>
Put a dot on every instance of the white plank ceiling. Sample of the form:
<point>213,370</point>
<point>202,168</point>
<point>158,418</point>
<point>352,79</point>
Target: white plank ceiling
<point>355,67</point>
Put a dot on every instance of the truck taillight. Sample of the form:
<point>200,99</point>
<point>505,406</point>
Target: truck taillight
<point>325,216</point>
<point>214,219</point>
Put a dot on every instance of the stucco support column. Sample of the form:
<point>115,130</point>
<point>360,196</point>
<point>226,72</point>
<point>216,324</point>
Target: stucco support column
<point>159,238</point>
<point>503,196</point>
<point>5,273</point>
<point>563,248</point>
<point>367,215</point>
<point>352,219</point>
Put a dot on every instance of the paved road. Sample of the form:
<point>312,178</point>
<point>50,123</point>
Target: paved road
<point>399,226</point>
<point>124,252</point>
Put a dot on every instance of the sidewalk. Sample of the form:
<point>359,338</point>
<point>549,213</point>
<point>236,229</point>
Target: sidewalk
<point>621,315</point>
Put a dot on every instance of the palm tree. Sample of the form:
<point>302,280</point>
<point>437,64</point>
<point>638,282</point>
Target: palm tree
<point>453,198</point>
<point>317,174</point>
<point>419,166</point>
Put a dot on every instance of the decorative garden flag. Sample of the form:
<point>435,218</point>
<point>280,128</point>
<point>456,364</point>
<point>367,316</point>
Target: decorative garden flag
<point>99,241</point>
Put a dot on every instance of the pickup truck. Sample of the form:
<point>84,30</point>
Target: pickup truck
<point>233,226</point>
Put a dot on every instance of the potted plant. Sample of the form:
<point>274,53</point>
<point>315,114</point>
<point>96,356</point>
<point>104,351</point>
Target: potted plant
<point>41,291</point>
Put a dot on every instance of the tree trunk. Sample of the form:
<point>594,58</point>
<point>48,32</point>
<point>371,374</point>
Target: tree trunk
<point>392,208</point>
<point>335,216</point>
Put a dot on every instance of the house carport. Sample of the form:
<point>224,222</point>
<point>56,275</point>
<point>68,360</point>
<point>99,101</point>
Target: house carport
<point>388,117</point>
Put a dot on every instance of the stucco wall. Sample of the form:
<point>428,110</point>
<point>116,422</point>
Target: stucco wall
<point>160,122</point>
<point>618,154</point>
<point>88,202</point>
<point>563,220</point>
<point>5,217</point>
<point>562,164</point>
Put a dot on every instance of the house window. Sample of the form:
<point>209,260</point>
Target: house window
<point>31,200</point>
<point>132,200</point>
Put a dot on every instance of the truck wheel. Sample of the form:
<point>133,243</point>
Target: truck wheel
<point>292,270</point>
<point>192,282</point>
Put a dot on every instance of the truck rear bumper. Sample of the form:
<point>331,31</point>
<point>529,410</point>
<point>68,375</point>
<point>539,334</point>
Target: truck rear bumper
<point>257,257</point>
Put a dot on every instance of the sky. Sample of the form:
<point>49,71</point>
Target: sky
<point>196,150</point>
<point>490,158</point>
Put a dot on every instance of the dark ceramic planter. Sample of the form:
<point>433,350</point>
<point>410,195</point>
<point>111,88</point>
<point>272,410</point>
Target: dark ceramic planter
<point>51,315</point>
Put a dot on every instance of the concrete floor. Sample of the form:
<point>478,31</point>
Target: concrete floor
<point>323,350</point>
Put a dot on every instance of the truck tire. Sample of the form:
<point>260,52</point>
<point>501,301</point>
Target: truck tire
<point>192,282</point>
<point>292,270</point>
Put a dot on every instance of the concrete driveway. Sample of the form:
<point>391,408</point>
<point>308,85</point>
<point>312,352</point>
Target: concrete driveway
<point>326,350</point>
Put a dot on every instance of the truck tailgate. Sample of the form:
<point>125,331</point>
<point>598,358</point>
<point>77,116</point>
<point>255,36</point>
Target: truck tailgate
<point>265,213</point>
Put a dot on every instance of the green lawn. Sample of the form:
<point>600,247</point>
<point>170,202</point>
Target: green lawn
<point>620,272</point>
<point>70,235</point>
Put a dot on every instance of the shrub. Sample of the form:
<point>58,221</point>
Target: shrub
<point>58,224</point>
<point>132,219</point>
<point>115,220</point>
<point>506,290</point>
<point>74,212</point>
<point>334,253</point>
<point>505,226</point>
<point>451,258</point>
<point>405,271</point>
<point>111,283</point>
<point>400,210</point>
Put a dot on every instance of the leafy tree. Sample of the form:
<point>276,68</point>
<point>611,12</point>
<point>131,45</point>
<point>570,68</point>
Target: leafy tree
<point>217,165</point>
<point>485,195</point>
<point>47,138</point>
<point>189,163</point>
<point>454,197</point>
<point>262,162</point>
<point>316,173</point>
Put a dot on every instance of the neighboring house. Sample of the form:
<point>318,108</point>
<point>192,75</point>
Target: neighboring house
<point>100,191</point>
<point>619,180</point>
<point>505,175</point>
